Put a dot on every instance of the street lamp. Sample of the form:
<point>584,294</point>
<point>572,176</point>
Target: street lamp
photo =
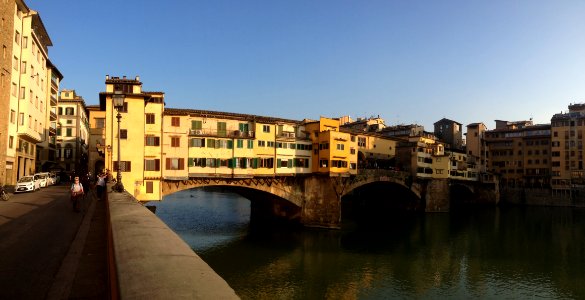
<point>118,101</point>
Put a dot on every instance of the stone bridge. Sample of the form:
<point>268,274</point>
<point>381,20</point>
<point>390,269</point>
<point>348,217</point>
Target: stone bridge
<point>315,200</point>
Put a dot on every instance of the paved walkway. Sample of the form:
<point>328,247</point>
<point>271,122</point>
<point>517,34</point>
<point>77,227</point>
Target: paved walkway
<point>47,251</point>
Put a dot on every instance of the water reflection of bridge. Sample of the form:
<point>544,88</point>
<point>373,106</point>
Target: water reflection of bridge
<point>315,199</point>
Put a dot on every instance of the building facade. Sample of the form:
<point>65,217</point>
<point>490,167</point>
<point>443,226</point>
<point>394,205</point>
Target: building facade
<point>520,153</point>
<point>567,149</point>
<point>26,93</point>
<point>475,146</point>
<point>72,133</point>
<point>449,132</point>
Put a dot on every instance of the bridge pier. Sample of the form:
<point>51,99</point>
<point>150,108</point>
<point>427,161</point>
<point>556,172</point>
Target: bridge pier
<point>436,194</point>
<point>321,204</point>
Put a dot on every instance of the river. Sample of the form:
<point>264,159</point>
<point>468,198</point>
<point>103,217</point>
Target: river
<point>489,253</point>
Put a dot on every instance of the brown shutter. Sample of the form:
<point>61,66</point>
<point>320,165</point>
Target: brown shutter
<point>168,164</point>
<point>181,163</point>
<point>128,166</point>
<point>157,164</point>
<point>115,166</point>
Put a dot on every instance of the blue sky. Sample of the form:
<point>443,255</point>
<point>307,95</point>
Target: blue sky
<point>407,61</point>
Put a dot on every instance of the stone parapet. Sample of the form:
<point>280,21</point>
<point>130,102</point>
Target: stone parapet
<point>150,261</point>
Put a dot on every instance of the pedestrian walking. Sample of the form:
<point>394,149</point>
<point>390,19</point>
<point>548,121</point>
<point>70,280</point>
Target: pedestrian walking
<point>76,194</point>
<point>101,185</point>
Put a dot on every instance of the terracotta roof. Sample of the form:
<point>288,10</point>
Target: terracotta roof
<point>226,115</point>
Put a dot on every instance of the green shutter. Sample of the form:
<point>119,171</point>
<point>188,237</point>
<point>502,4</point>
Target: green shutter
<point>278,163</point>
<point>290,163</point>
<point>230,163</point>
<point>190,161</point>
<point>255,163</point>
<point>230,144</point>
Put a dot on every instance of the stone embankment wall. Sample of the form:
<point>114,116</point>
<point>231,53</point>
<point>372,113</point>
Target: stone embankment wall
<point>542,197</point>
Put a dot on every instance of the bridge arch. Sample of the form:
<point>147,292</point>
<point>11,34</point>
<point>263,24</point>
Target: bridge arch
<point>272,199</point>
<point>461,193</point>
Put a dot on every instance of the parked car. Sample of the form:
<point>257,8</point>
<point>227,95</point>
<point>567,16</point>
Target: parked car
<point>54,178</point>
<point>42,177</point>
<point>27,184</point>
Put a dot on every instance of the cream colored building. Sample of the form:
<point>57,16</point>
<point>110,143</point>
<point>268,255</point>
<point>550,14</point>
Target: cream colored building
<point>72,133</point>
<point>32,81</point>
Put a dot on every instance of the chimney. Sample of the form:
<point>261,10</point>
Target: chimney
<point>137,78</point>
<point>107,77</point>
<point>124,77</point>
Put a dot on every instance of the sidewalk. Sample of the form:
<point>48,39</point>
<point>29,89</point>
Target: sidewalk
<point>84,271</point>
<point>47,251</point>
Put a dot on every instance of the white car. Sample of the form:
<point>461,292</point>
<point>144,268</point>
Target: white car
<point>27,184</point>
<point>42,179</point>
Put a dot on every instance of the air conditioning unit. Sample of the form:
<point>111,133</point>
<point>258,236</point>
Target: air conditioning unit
<point>198,131</point>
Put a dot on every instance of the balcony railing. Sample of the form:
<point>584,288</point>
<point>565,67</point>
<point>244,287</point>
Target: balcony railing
<point>53,116</point>
<point>53,100</point>
<point>52,131</point>
<point>222,133</point>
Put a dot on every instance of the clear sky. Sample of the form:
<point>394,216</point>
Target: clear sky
<point>408,61</point>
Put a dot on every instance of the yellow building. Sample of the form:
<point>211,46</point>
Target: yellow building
<point>567,131</point>
<point>334,152</point>
<point>140,124</point>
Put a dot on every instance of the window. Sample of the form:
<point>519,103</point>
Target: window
<point>14,89</point>
<point>221,129</point>
<point>69,132</point>
<point>250,144</point>
<point>175,163</point>
<point>149,118</point>
<point>197,143</point>
<point>125,166</point>
<point>99,122</point>
<point>124,134</point>
<point>12,116</point>
<point>152,141</point>
<point>361,141</point>
<point>261,143</point>
<point>240,143</point>
<point>323,163</point>
<point>60,112</point>
<point>266,128</point>
<point>11,142</point>
<point>340,147</point>
<point>25,42</point>
<point>17,37</point>
<point>69,111</point>
<point>15,63</point>
<point>68,152</point>
<point>22,92</point>
<point>23,67</point>
<point>175,141</point>
<point>175,121</point>
<point>196,125</point>
<point>149,187</point>
<point>152,165</point>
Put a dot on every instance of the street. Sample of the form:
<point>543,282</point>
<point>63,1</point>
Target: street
<point>36,231</point>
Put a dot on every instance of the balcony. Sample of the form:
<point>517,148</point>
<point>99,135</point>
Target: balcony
<point>52,131</point>
<point>222,133</point>
<point>53,100</point>
<point>53,116</point>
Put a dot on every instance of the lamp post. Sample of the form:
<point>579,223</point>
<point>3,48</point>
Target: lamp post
<point>118,102</point>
